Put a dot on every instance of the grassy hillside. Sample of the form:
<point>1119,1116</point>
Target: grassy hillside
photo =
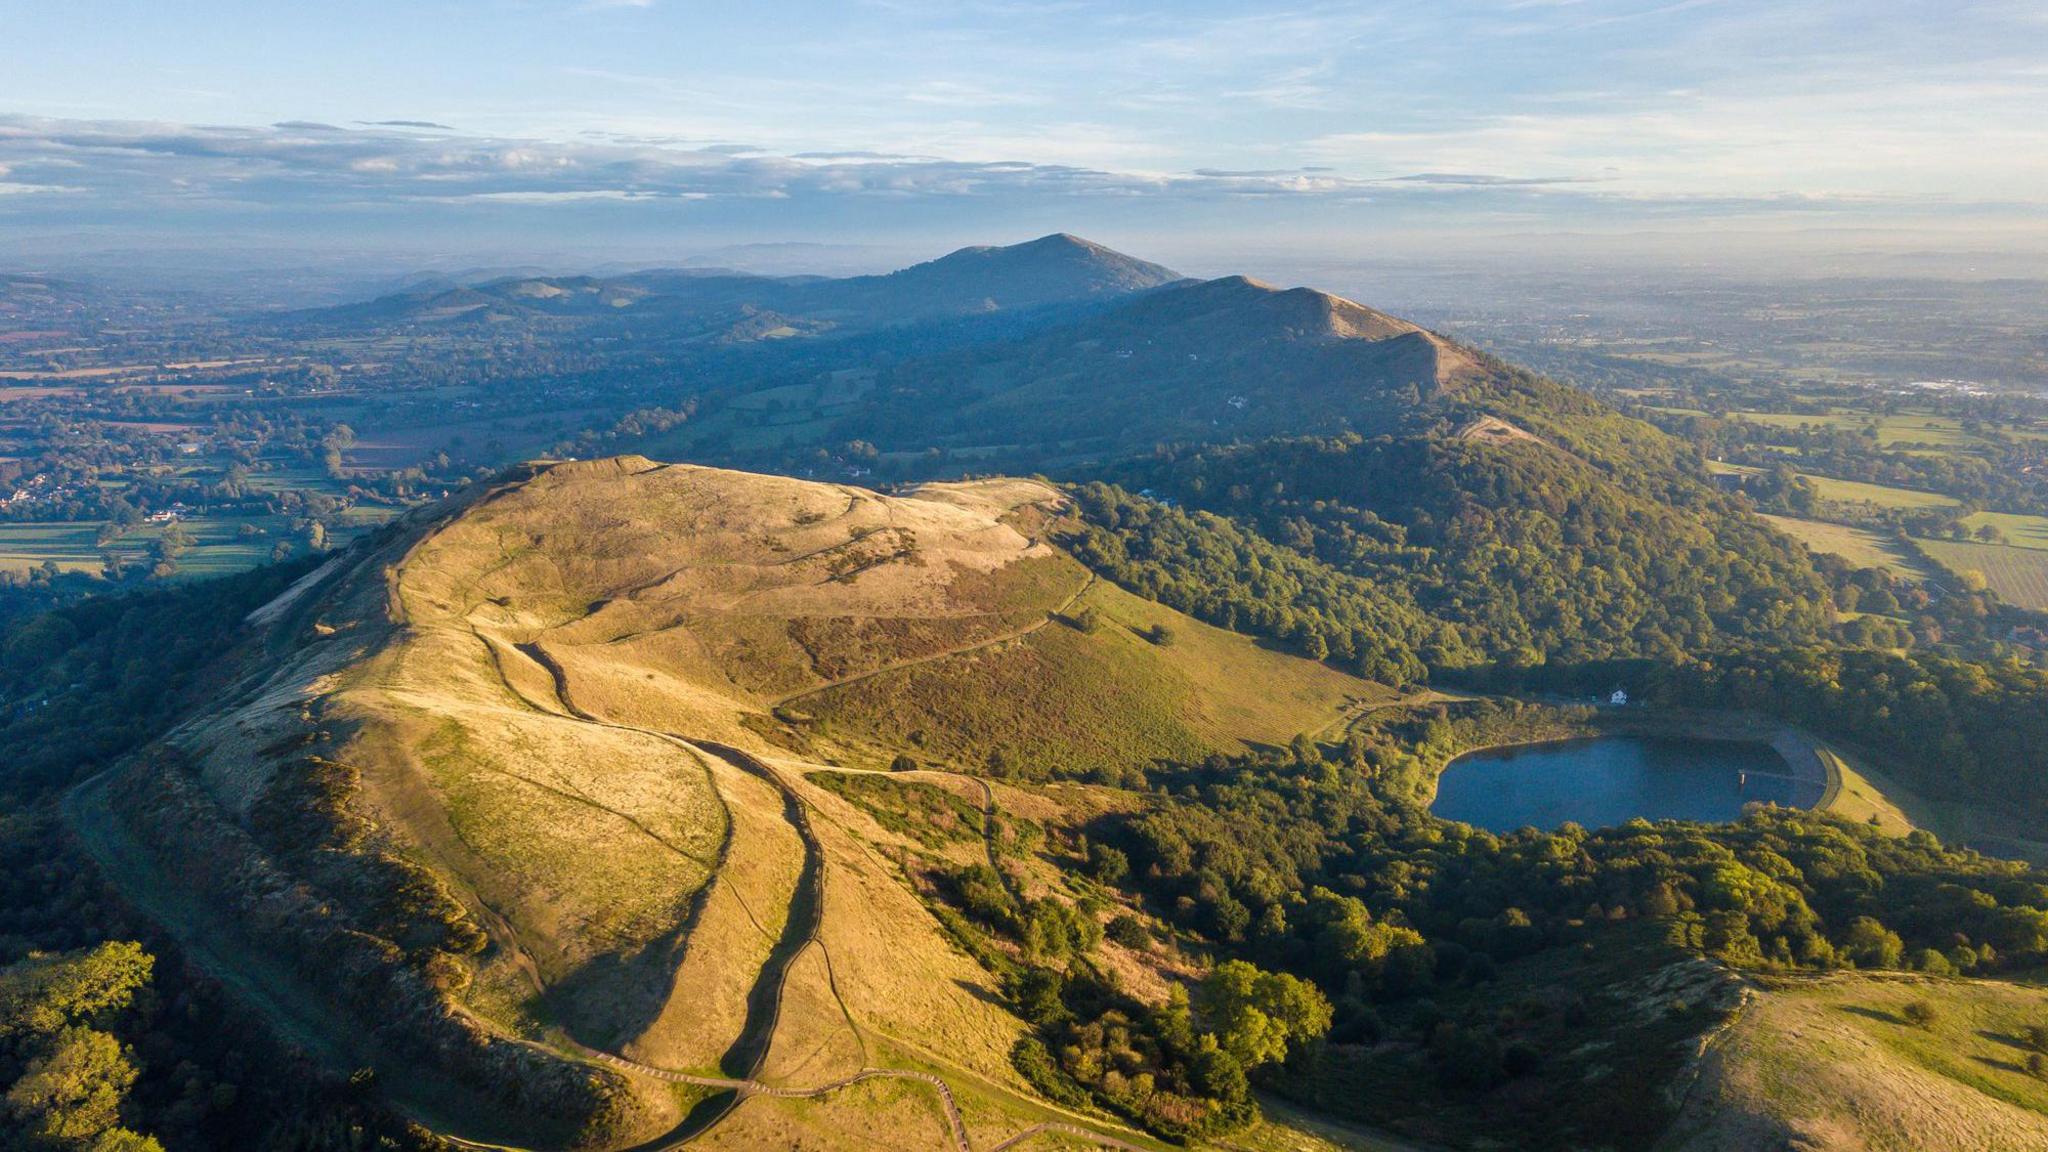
<point>1118,682</point>
<point>1888,1064</point>
<point>513,757</point>
<point>581,793</point>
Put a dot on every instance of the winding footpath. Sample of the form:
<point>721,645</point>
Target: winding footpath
<point>800,933</point>
<point>943,653</point>
<point>742,1089</point>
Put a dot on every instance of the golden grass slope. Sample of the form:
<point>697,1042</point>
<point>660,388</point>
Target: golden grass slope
<point>1833,1064</point>
<point>755,586</point>
<point>1065,700</point>
<point>731,937</point>
<point>531,696</point>
<point>656,600</point>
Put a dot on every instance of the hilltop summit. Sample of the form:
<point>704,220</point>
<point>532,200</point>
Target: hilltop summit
<point>1051,270</point>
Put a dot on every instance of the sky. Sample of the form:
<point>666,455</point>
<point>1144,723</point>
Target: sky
<point>432,130</point>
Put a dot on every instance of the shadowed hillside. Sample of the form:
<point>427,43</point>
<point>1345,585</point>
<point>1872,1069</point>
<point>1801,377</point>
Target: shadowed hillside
<point>1198,361</point>
<point>1057,269</point>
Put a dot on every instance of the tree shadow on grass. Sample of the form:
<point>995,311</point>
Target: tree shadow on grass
<point>1877,1014</point>
<point>2006,1039</point>
<point>982,994</point>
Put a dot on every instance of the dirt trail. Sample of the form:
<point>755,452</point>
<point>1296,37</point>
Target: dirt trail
<point>343,1045</point>
<point>742,1089</point>
<point>1355,712</point>
<point>944,653</point>
<point>988,836</point>
<point>799,935</point>
<point>799,929</point>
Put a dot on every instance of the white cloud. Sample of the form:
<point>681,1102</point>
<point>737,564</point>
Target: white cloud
<point>1558,170</point>
<point>585,196</point>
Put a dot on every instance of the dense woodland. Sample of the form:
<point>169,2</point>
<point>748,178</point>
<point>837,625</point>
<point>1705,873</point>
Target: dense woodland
<point>1398,966</point>
<point>1238,844</point>
<point>1398,554</point>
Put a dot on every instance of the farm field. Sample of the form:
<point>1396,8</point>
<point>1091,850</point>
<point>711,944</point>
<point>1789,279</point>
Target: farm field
<point>1859,546</point>
<point>1901,429</point>
<point>219,546</point>
<point>68,544</point>
<point>2018,575</point>
<point>2020,531</point>
<point>1851,491</point>
<point>1856,492</point>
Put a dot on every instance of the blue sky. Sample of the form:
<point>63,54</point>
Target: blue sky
<point>614,124</point>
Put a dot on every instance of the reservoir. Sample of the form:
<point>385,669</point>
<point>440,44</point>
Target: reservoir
<point>1613,779</point>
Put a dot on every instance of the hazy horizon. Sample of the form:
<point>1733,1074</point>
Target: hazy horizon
<point>570,135</point>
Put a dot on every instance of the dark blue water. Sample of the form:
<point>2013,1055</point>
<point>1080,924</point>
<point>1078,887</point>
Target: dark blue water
<point>1613,779</point>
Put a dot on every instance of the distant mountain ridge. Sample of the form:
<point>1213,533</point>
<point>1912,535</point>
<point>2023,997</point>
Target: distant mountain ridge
<point>1187,361</point>
<point>1289,312</point>
<point>1053,270</point>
